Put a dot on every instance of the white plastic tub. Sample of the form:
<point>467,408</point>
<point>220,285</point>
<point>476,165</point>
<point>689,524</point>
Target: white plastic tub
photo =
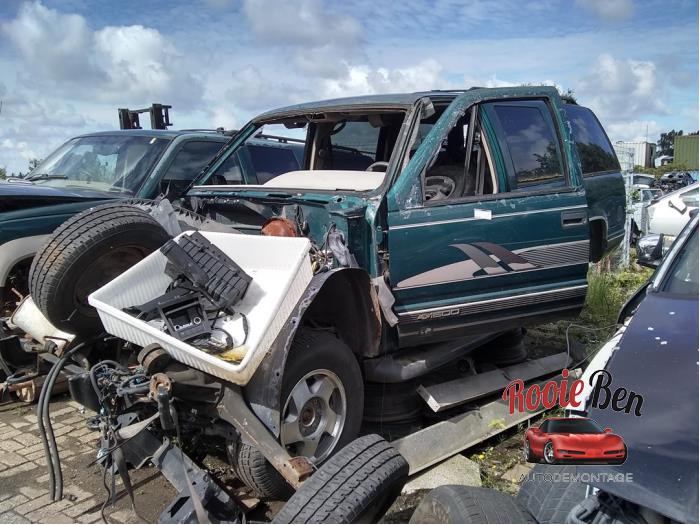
<point>280,269</point>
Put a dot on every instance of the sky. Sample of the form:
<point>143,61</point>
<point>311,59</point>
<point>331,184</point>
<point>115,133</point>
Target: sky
<point>66,66</point>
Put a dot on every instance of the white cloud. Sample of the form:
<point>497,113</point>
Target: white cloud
<point>608,10</point>
<point>126,64</point>
<point>634,130</point>
<point>622,89</point>
<point>300,23</point>
<point>249,89</point>
<point>363,79</point>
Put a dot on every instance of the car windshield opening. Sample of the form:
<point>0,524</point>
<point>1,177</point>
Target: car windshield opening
<point>327,152</point>
<point>110,163</point>
<point>573,426</point>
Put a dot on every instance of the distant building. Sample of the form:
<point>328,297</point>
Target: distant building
<point>685,151</point>
<point>643,152</point>
<point>662,160</point>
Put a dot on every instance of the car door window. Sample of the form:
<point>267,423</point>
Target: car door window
<point>190,160</point>
<point>544,426</point>
<point>529,145</point>
<point>594,149</point>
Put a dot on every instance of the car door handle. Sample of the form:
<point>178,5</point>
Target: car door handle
<point>573,218</point>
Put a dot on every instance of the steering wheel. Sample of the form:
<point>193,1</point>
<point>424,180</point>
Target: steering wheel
<point>438,187</point>
<point>378,164</point>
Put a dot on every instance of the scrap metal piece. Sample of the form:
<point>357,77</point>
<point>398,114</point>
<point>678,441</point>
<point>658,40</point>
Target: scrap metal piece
<point>442,440</point>
<point>233,409</point>
<point>449,394</point>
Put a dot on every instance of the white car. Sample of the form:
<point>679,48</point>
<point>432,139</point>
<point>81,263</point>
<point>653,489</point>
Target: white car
<point>671,212</point>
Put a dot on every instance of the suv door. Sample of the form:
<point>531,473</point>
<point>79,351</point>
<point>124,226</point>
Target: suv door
<point>505,241</point>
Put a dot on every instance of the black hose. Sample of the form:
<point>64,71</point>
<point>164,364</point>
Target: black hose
<point>45,427</point>
<point>42,432</point>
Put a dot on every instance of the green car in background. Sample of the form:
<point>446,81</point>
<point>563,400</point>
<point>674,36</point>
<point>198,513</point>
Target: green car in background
<point>100,167</point>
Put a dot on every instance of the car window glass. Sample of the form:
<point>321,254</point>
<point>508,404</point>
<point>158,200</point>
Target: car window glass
<point>531,147</point>
<point>190,160</point>
<point>594,149</point>
<point>544,426</point>
<point>683,276</point>
<point>228,172</point>
<point>270,161</point>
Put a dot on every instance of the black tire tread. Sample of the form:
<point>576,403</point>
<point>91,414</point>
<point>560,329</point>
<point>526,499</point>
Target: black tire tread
<point>348,483</point>
<point>68,242</point>
<point>257,474</point>
<point>463,504</point>
<point>550,501</point>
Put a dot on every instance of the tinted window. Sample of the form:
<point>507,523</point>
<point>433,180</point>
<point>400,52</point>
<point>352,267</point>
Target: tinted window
<point>228,172</point>
<point>268,162</point>
<point>594,148</point>
<point>532,149</point>
<point>683,277</point>
<point>573,426</point>
<point>190,160</point>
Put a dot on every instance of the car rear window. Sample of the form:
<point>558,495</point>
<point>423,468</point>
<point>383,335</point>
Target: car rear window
<point>594,148</point>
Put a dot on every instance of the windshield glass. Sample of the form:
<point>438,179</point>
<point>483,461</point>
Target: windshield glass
<point>352,150</point>
<point>115,163</point>
<point>683,277</point>
<point>573,426</point>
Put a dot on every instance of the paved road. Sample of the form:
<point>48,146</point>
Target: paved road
<point>24,479</point>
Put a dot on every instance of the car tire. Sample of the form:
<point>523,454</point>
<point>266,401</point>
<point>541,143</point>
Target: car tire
<point>529,456</point>
<point>462,504</point>
<point>312,351</point>
<point>551,460</point>
<point>547,499</point>
<point>84,253</point>
<point>357,485</point>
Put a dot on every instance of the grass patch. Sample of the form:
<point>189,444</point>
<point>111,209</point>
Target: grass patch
<point>608,291</point>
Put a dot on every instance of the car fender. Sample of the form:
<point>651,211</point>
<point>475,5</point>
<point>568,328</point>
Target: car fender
<point>17,250</point>
<point>352,293</point>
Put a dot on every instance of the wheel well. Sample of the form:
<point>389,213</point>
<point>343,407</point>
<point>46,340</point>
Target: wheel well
<point>599,239</point>
<point>348,304</point>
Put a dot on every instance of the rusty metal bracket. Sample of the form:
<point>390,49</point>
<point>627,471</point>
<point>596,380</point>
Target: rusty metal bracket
<point>233,409</point>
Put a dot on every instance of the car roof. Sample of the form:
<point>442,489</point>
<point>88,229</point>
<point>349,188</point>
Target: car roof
<point>164,133</point>
<point>391,100</point>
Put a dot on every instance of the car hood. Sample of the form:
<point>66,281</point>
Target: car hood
<point>658,358</point>
<point>20,195</point>
<point>587,440</point>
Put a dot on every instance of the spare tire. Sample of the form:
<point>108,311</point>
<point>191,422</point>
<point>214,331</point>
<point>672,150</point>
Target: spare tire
<point>84,253</point>
<point>357,485</point>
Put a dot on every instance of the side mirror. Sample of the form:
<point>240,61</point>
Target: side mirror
<point>608,430</point>
<point>650,250</point>
<point>536,430</point>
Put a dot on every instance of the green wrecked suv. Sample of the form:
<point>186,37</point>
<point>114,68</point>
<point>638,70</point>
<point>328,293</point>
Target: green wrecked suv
<point>441,223</point>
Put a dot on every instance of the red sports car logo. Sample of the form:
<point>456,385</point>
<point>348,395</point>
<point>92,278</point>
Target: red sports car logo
<point>573,440</point>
